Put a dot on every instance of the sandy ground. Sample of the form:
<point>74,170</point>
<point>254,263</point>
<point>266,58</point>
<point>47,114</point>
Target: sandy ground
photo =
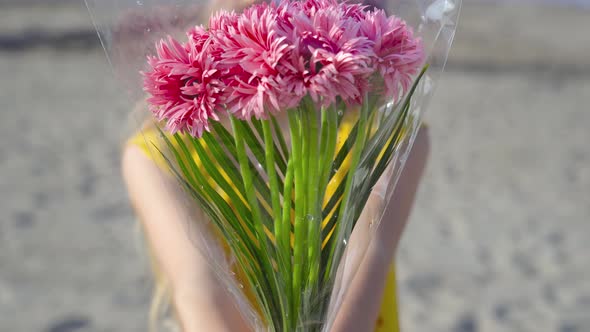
<point>498,241</point>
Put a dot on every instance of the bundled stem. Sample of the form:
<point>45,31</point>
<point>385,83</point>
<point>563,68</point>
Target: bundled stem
<point>343,227</point>
<point>277,297</point>
<point>300,242</point>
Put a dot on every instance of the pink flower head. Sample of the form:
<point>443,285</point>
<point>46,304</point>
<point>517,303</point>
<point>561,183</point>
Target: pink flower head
<point>222,19</point>
<point>337,58</point>
<point>252,49</point>
<point>198,37</point>
<point>183,81</point>
<point>269,57</point>
<point>398,55</point>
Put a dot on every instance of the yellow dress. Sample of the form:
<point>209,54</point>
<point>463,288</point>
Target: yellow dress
<point>388,316</point>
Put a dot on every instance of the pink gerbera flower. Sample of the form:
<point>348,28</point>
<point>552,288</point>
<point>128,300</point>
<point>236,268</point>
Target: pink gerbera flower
<point>252,49</point>
<point>337,59</point>
<point>398,55</point>
<point>184,84</point>
<point>222,19</point>
<point>199,39</point>
<point>269,57</point>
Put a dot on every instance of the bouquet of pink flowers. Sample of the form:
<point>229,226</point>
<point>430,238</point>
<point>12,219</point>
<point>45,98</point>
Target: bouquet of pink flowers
<point>271,57</point>
<point>279,121</point>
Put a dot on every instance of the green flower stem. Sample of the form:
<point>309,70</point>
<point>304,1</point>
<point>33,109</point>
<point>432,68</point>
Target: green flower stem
<point>313,203</point>
<point>272,173</point>
<point>329,135</point>
<point>283,237</point>
<point>281,138</point>
<point>327,147</point>
<point>266,263</point>
<point>305,156</point>
<point>342,231</point>
<point>281,162</point>
<point>282,255</point>
<point>307,137</point>
<point>226,142</point>
<point>299,227</point>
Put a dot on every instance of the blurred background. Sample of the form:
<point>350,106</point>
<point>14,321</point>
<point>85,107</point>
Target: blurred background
<point>499,239</point>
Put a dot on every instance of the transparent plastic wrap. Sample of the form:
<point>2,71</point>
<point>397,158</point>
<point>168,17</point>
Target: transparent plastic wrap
<point>287,124</point>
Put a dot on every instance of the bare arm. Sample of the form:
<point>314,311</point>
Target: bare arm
<point>361,303</point>
<point>201,303</point>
